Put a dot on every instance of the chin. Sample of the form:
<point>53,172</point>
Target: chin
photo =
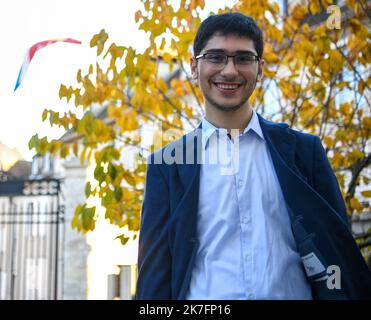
<point>228,105</point>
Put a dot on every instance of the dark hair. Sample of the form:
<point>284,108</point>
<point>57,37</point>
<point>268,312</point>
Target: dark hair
<point>227,24</point>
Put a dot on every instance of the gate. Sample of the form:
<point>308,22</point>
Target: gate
<point>31,240</point>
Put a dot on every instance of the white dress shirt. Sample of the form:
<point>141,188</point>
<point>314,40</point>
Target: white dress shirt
<point>246,246</point>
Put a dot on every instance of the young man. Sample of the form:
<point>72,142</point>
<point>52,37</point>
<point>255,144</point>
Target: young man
<point>272,227</point>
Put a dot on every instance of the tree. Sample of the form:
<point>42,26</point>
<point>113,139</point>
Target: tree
<point>315,79</point>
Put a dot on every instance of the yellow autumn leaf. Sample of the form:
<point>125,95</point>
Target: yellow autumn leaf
<point>361,86</point>
<point>132,122</point>
<point>366,194</point>
<point>82,156</point>
<point>329,141</point>
<point>54,146</point>
<point>336,60</point>
<point>355,155</point>
<point>300,12</point>
<point>167,57</point>
<point>270,56</point>
<point>62,91</point>
<point>188,111</point>
<point>161,84</point>
<point>75,148</point>
<point>138,15</point>
<point>179,92</point>
<point>345,109</point>
<point>64,150</point>
<point>341,135</point>
<point>111,109</point>
<point>338,160</point>
<point>315,6</point>
<point>269,73</point>
<point>356,205</point>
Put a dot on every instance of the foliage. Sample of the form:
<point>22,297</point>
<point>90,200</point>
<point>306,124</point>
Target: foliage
<point>315,79</point>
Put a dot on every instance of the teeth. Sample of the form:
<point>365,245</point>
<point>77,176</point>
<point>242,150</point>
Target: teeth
<point>227,86</point>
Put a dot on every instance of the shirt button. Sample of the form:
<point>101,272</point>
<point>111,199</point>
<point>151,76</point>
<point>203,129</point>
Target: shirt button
<point>240,182</point>
<point>251,296</point>
<point>245,220</point>
<point>247,258</point>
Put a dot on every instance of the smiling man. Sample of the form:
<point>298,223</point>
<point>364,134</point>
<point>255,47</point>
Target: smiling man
<point>275,227</point>
<point>227,76</point>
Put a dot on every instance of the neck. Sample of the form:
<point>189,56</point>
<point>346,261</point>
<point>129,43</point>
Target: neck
<point>238,119</point>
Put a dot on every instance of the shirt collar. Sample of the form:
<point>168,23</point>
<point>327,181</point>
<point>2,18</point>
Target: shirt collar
<point>254,125</point>
<point>208,129</point>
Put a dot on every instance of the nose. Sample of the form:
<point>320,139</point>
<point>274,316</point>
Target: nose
<point>230,68</point>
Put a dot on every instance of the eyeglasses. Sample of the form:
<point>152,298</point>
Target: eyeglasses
<point>219,60</point>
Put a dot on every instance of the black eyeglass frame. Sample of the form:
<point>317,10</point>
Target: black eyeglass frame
<point>229,56</point>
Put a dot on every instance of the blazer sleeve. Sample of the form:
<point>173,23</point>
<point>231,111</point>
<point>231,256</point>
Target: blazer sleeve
<point>325,181</point>
<point>154,260</point>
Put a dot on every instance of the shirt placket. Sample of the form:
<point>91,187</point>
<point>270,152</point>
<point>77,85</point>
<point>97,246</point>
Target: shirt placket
<point>245,218</point>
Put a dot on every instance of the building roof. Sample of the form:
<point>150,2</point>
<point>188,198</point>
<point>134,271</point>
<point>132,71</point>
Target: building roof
<point>21,170</point>
<point>8,157</point>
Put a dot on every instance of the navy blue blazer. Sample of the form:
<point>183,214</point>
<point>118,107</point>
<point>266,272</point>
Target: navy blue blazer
<point>168,239</point>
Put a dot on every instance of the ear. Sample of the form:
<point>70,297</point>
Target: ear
<point>260,70</point>
<point>194,70</point>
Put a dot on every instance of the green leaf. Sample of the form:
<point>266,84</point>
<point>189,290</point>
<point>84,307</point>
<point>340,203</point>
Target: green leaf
<point>87,216</point>
<point>112,171</point>
<point>45,114</point>
<point>117,194</point>
<point>87,189</point>
<point>106,200</point>
<point>99,174</point>
<point>33,143</point>
<point>53,117</point>
<point>78,76</point>
<point>76,217</point>
<point>115,154</point>
<point>123,238</point>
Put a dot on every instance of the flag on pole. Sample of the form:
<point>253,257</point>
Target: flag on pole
<point>31,52</point>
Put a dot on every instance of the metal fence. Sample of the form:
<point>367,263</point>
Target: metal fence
<point>31,240</point>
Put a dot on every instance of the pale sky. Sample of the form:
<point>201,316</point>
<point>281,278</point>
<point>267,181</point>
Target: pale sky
<point>22,24</point>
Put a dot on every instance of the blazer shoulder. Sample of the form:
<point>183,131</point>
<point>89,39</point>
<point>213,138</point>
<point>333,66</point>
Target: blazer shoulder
<point>303,135</point>
<point>282,128</point>
<point>306,142</point>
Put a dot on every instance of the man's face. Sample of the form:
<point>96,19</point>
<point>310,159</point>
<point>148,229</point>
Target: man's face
<point>229,88</point>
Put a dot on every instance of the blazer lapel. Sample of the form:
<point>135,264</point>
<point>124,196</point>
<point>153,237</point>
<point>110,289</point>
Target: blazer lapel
<point>185,215</point>
<point>191,155</point>
<point>280,141</point>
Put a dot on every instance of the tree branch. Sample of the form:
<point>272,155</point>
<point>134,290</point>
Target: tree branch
<point>356,169</point>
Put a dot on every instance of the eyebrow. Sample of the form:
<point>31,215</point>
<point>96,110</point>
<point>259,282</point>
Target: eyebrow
<point>236,52</point>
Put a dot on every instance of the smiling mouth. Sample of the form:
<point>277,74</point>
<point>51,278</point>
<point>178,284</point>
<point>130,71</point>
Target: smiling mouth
<point>227,87</point>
